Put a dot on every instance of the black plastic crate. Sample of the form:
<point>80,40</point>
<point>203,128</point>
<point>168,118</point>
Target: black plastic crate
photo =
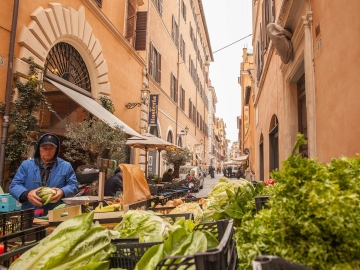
<point>222,257</point>
<point>261,202</point>
<point>16,221</point>
<point>267,262</point>
<point>19,242</point>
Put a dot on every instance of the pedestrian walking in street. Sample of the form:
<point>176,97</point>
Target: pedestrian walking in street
<point>46,169</point>
<point>229,171</point>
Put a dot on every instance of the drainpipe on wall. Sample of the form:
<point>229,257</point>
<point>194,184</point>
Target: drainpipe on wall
<point>9,79</point>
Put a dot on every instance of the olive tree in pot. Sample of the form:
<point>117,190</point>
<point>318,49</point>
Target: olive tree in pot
<point>91,139</point>
<point>177,158</point>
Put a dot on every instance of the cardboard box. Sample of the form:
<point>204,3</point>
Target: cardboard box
<point>64,213</point>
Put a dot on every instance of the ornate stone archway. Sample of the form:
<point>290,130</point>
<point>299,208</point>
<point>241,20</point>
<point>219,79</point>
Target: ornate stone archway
<point>58,24</point>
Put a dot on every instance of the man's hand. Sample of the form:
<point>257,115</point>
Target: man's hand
<point>34,198</point>
<point>59,194</point>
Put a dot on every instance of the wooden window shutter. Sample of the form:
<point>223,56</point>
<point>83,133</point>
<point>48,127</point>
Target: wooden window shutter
<point>151,60</point>
<point>190,108</point>
<point>184,11</point>
<point>160,6</point>
<point>141,26</point>
<point>265,23</point>
<point>130,22</point>
<point>183,101</point>
<point>176,91</point>
<point>99,3</point>
<point>159,68</point>
<point>258,60</point>
<point>181,46</point>
<point>173,28</point>
<point>272,11</point>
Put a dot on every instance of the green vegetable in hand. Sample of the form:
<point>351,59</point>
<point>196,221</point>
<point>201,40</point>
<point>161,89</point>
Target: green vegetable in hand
<point>45,194</point>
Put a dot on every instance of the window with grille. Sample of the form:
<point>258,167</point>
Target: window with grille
<point>182,98</point>
<point>183,10</point>
<point>175,32</point>
<point>173,88</point>
<point>159,5</point>
<point>155,64</point>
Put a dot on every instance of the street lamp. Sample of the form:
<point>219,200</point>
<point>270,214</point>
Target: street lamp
<point>183,132</point>
<point>145,92</point>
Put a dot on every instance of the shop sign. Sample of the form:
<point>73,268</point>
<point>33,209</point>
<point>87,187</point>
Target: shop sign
<point>153,109</point>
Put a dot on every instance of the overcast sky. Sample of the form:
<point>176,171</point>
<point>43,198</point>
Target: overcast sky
<point>227,22</point>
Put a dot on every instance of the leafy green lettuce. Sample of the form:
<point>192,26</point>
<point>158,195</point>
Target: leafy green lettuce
<point>146,225</point>
<point>73,244</point>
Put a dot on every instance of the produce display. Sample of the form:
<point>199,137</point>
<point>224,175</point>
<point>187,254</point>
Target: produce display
<point>75,244</point>
<point>183,241</point>
<point>313,218</point>
<point>193,208</point>
<point>145,225</point>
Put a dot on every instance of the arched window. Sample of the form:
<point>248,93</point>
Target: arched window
<point>274,144</point>
<point>179,142</point>
<point>154,131</point>
<point>66,62</point>
<point>170,137</point>
<point>261,157</point>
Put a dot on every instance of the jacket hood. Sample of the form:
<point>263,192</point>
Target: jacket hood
<point>37,145</point>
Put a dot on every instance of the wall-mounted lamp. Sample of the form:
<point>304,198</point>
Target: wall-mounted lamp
<point>183,132</point>
<point>145,92</point>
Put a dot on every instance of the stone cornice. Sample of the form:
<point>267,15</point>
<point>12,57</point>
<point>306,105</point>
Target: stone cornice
<point>113,30</point>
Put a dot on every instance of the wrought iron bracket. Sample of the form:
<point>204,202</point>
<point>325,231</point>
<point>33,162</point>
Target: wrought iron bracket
<point>132,105</point>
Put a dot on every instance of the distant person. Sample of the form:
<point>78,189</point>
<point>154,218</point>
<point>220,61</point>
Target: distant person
<point>114,183</point>
<point>240,173</point>
<point>225,172</point>
<point>167,176</point>
<point>229,169</point>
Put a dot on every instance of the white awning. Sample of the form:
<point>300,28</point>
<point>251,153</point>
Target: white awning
<point>241,158</point>
<point>94,108</point>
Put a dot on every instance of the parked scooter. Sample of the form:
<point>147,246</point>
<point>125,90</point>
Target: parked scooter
<point>86,175</point>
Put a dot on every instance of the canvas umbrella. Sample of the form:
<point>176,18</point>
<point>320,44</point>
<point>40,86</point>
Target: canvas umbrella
<point>151,143</point>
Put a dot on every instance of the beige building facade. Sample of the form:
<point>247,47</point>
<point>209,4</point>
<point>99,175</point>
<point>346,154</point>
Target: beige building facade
<point>298,85</point>
<point>116,49</point>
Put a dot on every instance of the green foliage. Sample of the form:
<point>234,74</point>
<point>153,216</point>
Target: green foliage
<point>30,99</point>
<point>177,158</point>
<point>91,139</point>
<point>314,215</point>
<point>107,103</point>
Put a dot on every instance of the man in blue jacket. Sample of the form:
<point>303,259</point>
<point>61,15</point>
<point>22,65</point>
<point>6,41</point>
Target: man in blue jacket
<point>45,169</point>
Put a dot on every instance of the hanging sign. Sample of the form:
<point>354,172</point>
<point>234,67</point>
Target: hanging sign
<point>153,109</point>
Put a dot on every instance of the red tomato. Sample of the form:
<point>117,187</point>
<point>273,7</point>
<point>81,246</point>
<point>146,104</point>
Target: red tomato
<point>271,182</point>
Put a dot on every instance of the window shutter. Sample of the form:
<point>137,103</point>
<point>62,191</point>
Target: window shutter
<point>258,60</point>
<point>159,68</point>
<point>190,108</point>
<point>141,25</point>
<point>184,10</point>
<point>181,46</point>
<point>184,50</point>
<point>176,91</point>
<point>99,3</point>
<point>130,23</point>
<point>160,6</point>
<point>173,28</point>
<point>183,101</point>
<point>265,23</point>
<point>151,60</point>
<point>272,11</point>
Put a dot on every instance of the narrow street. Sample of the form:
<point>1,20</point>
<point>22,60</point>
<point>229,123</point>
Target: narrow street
<point>208,184</point>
